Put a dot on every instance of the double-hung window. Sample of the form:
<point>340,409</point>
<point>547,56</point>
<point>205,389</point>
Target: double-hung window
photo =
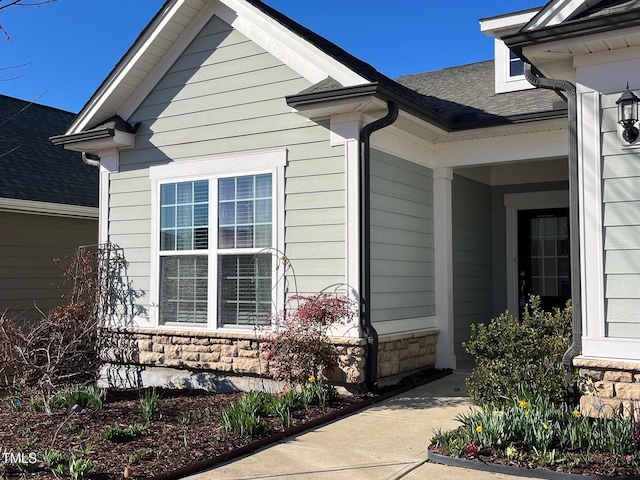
<point>216,239</point>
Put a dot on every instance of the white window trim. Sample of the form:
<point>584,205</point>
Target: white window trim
<point>503,80</point>
<point>271,161</point>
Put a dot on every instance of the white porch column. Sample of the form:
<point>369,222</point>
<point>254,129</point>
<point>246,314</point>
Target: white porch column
<point>443,237</point>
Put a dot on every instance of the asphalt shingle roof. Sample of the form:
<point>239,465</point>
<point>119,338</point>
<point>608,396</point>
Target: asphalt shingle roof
<point>463,95</point>
<point>467,94</point>
<point>31,167</point>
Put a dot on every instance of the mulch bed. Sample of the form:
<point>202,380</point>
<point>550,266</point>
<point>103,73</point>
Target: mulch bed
<point>186,437</point>
<point>602,465</point>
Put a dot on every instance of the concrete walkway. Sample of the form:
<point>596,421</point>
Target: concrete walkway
<point>385,441</point>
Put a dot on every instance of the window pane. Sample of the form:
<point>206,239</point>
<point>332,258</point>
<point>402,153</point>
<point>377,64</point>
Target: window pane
<point>262,235</point>
<point>184,239</point>
<point>168,194</point>
<point>200,238</point>
<point>227,188</point>
<point>184,216</point>
<point>183,289</point>
<point>244,237</point>
<point>168,217</point>
<point>201,191</point>
<point>168,240</point>
<point>244,289</point>
<point>200,215</point>
<point>263,186</point>
<point>516,67</point>
<point>245,187</point>
<point>226,237</point>
<point>185,192</point>
<point>227,213</point>
<point>263,211</point>
<point>245,213</point>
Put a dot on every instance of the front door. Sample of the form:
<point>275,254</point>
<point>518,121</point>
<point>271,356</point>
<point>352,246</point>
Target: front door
<point>543,256</point>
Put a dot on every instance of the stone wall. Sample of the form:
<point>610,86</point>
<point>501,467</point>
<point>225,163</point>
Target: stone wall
<point>227,353</point>
<point>608,387</point>
<point>398,354</point>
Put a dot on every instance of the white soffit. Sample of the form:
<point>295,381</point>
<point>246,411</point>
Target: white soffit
<point>558,59</point>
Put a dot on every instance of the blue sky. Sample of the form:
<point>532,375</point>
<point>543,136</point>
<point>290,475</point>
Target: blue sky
<point>68,47</point>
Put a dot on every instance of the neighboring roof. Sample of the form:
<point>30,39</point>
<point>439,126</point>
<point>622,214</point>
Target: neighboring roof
<point>465,95</point>
<point>31,167</point>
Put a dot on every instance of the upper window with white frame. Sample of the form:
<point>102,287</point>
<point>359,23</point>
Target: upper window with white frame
<point>216,236</point>
<point>509,75</point>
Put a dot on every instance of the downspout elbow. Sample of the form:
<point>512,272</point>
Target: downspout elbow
<point>91,159</point>
<point>574,223</point>
<point>371,380</point>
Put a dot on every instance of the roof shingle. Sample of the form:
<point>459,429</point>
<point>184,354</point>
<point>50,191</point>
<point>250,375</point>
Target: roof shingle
<point>31,167</point>
<point>467,93</point>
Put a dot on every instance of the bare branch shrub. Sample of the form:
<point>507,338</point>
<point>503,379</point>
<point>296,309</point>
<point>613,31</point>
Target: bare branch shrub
<point>62,348</point>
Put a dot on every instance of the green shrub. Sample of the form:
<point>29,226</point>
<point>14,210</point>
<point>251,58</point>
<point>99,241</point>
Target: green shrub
<point>239,417</point>
<point>531,427</point>
<point>123,434</point>
<point>149,404</point>
<point>53,458</point>
<point>511,352</point>
<point>80,468</point>
<point>83,396</point>
<point>317,393</point>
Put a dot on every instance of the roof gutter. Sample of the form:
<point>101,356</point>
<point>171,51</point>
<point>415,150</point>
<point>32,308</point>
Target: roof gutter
<point>365,242</point>
<point>373,89</point>
<point>574,204</point>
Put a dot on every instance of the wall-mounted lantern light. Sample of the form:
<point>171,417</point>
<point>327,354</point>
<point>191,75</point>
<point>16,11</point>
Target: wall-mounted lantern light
<point>628,115</point>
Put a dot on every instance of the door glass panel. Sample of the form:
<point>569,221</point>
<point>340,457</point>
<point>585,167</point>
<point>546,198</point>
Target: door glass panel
<point>549,255</point>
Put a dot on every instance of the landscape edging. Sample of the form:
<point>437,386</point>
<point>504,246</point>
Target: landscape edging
<point>203,465</point>
<point>510,470</point>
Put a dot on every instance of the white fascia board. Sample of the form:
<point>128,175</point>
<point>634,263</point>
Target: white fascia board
<point>45,208</point>
<point>297,53</point>
<point>498,26</point>
<point>124,67</point>
<point>511,148</point>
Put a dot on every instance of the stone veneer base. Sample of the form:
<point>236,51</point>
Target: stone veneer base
<point>217,360</point>
<point>608,386</point>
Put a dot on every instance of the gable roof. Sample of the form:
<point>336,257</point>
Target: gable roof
<point>31,167</point>
<point>126,85</point>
